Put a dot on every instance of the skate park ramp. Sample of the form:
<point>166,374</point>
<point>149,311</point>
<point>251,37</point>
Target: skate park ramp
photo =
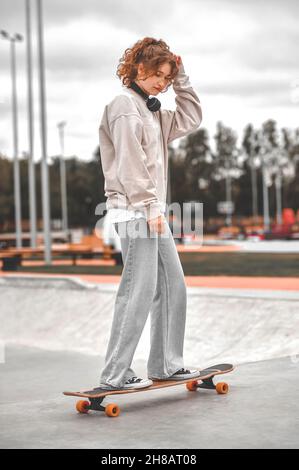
<point>223,325</point>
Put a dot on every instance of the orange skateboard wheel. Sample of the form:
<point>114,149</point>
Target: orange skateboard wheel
<point>191,386</point>
<point>81,406</point>
<point>112,410</point>
<point>222,388</point>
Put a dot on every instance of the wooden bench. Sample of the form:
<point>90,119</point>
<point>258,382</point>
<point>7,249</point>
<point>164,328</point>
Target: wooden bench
<point>12,257</point>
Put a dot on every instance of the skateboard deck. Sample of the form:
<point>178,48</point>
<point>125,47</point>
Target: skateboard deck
<point>203,380</point>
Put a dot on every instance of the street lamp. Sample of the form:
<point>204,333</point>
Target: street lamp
<point>31,168</point>
<point>43,133</point>
<point>263,152</point>
<point>61,125</point>
<point>17,190</point>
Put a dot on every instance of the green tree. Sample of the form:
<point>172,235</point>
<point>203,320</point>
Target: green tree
<point>229,165</point>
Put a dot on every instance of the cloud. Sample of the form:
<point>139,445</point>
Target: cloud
<point>241,58</point>
<point>124,14</point>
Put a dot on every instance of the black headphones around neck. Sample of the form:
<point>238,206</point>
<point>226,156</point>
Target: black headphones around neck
<point>153,103</point>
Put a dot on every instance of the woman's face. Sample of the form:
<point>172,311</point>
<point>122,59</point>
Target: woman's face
<point>156,82</point>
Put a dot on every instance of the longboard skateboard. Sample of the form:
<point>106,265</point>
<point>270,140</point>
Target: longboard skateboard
<point>203,380</point>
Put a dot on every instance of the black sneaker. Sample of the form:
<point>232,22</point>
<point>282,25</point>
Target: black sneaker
<point>135,382</point>
<point>184,374</point>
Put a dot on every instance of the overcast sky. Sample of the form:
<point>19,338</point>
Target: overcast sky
<point>241,57</point>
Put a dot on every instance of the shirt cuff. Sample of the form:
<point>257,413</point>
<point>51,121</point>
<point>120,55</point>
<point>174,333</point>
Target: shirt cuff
<point>153,211</point>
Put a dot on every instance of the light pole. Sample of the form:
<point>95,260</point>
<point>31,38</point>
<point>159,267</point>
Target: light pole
<point>228,193</point>
<point>265,198</point>
<point>43,130</point>
<point>264,153</point>
<point>254,189</point>
<point>61,125</point>
<point>278,188</point>
<point>31,169</point>
<point>17,190</point>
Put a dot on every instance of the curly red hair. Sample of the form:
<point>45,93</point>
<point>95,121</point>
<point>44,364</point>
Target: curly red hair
<point>151,53</point>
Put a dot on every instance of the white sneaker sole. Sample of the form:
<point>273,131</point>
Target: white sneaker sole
<point>143,384</point>
<point>179,377</point>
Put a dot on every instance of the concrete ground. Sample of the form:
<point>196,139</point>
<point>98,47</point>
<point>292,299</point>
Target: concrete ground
<point>223,325</point>
<point>214,282</point>
<point>53,336</point>
<point>261,409</point>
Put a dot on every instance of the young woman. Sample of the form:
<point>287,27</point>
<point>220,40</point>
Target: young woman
<point>134,134</point>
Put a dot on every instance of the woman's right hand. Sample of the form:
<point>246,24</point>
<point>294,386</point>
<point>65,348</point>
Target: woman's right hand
<point>178,60</point>
<point>157,224</point>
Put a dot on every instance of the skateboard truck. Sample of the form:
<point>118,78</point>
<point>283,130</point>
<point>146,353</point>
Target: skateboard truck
<point>221,387</point>
<point>208,384</point>
<point>95,404</point>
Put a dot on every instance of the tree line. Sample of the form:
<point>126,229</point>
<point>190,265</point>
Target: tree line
<point>266,161</point>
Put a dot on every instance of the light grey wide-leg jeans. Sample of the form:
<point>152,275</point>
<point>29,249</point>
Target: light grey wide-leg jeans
<point>152,281</point>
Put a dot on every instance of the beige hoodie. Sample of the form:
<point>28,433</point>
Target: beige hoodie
<point>130,146</point>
